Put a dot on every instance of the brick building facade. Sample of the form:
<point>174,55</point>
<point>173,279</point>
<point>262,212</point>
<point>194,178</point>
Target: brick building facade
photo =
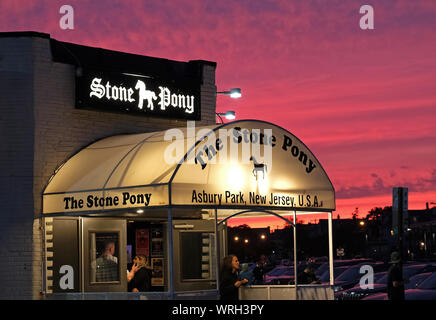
<point>40,129</point>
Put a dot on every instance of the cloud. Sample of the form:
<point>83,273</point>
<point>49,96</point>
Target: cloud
<point>379,187</point>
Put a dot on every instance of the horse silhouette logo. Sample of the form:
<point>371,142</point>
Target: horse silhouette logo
<point>258,167</point>
<point>145,94</point>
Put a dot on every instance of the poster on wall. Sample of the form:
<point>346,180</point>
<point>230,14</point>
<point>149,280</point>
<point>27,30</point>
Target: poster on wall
<point>156,242</point>
<point>158,278</point>
<point>142,242</point>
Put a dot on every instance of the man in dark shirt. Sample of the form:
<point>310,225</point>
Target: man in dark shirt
<point>307,276</point>
<point>395,278</point>
<point>259,273</point>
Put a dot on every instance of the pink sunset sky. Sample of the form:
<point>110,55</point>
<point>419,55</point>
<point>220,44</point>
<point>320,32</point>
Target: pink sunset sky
<point>363,101</point>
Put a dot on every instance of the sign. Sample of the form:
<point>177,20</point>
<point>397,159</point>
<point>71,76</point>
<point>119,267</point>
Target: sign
<point>158,272</point>
<point>99,200</point>
<point>227,197</point>
<point>252,165</point>
<point>142,242</point>
<point>137,94</point>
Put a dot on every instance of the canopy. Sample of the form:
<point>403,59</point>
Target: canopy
<point>239,165</point>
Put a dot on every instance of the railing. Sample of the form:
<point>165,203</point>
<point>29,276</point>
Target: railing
<point>255,292</point>
<point>183,295</point>
<point>286,292</point>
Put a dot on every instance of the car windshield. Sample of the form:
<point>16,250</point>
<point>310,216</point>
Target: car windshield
<point>429,283</point>
<point>273,272</point>
<point>408,271</point>
<point>322,269</point>
<point>351,274</point>
<point>280,271</point>
<point>288,272</point>
<point>380,277</point>
<point>416,279</point>
<point>325,277</point>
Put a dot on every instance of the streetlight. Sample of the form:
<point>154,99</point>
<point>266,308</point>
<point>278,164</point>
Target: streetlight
<point>229,115</point>
<point>236,238</point>
<point>234,93</point>
<point>246,240</point>
<point>262,236</point>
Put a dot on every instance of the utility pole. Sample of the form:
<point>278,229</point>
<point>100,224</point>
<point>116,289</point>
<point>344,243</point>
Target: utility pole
<point>400,216</point>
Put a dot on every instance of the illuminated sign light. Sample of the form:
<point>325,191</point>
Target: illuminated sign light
<point>136,94</point>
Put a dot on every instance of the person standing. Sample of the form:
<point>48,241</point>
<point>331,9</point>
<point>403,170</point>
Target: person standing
<point>106,265</point>
<point>395,287</point>
<point>139,277</point>
<point>230,284</point>
<point>308,276</point>
<point>259,270</point>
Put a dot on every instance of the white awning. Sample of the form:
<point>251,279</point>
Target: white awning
<point>240,165</point>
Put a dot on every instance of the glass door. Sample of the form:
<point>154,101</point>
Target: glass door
<point>104,250</point>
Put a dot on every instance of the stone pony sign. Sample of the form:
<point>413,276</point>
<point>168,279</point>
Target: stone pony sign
<point>137,94</point>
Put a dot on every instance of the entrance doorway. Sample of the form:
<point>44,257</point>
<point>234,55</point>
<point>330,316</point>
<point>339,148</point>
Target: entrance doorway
<point>147,239</point>
<point>94,254</point>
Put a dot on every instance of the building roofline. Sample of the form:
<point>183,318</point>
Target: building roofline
<point>28,34</point>
<point>35,34</point>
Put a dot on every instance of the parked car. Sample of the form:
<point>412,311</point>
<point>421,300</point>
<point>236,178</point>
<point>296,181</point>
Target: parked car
<point>425,290</point>
<point>420,287</point>
<point>286,262</point>
<point>338,263</point>
<point>325,277</point>
<point>352,276</point>
<point>280,275</point>
<point>415,280</point>
<point>380,284</point>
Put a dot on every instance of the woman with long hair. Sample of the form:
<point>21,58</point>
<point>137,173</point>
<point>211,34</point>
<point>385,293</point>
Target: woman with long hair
<point>229,278</point>
<point>139,277</point>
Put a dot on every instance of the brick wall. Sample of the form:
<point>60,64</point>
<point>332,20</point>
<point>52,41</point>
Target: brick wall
<point>40,129</point>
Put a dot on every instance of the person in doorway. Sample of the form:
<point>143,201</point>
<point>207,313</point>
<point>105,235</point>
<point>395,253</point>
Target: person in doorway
<point>107,264</point>
<point>230,284</point>
<point>139,277</point>
<point>308,276</point>
<point>395,287</point>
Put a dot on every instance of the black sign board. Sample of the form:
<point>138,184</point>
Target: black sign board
<point>137,94</point>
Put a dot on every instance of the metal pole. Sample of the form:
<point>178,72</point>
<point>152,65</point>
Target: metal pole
<point>330,231</point>
<point>400,223</point>
<point>170,253</point>
<point>218,249</point>
<point>295,251</point>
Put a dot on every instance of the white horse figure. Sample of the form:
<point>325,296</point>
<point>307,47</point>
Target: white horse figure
<point>145,95</point>
<point>258,167</point>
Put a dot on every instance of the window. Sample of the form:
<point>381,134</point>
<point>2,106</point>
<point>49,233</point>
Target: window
<point>104,251</point>
<point>197,254</point>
